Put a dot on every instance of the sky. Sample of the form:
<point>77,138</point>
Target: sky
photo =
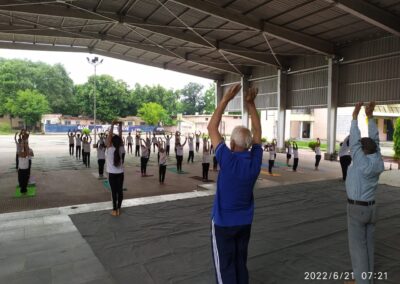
<point>79,69</point>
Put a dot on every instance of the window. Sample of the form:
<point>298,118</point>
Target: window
<point>20,124</point>
<point>130,123</point>
<point>77,122</point>
<point>67,122</point>
<point>48,121</point>
<point>266,114</point>
<point>206,118</point>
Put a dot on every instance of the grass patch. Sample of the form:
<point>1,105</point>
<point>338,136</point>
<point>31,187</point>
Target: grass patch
<point>5,128</point>
<point>304,145</point>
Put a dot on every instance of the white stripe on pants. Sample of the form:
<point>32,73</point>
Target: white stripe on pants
<point>216,255</point>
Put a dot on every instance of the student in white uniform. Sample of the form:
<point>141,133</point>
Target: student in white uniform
<point>71,136</point>
<point>289,151</point>
<point>101,157</point>
<point>272,155</point>
<point>167,143</point>
<point>162,161</point>
<point>177,139</point>
<point>179,155</point>
<point>78,145</point>
<point>123,152</point>
<point>18,145</point>
<point>154,141</point>
<point>87,140</point>
<point>206,160</point>
<point>115,168</point>
<point>274,142</point>
<point>23,167</point>
<point>144,158</point>
<point>129,139</point>
<point>317,151</point>
<point>295,156</point>
<point>197,134</point>
<point>191,149</point>
<point>345,156</point>
<point>137,144</point>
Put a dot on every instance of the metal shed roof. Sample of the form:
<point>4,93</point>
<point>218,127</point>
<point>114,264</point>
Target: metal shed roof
<point>205,38</point>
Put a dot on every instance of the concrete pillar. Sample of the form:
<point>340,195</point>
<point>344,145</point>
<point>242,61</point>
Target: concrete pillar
<point>281,108</point>
<point>333,92</point>
<point>218,92</point>
<point>245,115</point>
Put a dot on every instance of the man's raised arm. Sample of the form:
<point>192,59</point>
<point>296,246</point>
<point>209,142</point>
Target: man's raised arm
<point>215,120</point>
<point>255,119</point>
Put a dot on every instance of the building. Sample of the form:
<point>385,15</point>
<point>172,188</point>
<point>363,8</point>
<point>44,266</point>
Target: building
<point>15,122</point>
<point>132,121</point>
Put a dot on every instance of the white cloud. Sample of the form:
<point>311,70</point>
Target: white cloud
<point>79,70</point>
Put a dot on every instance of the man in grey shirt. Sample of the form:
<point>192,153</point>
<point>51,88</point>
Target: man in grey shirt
<point>361,184</point>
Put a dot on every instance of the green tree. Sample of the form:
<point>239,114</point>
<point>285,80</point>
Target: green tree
<point>192,99</point>
<point>396,139</point>
<point>29,105</point>
<point>112,98</point>
<point>153,113</point>
<point>50,80</point>
<point>209,99</point>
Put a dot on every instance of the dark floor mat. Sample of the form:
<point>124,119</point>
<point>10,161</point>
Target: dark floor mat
<point>297,229</point>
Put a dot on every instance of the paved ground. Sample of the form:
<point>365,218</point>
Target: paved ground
<point>43,246</point>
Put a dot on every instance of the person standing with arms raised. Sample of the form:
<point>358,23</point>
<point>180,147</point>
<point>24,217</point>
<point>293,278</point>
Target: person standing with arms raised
<point>233,209</point>
<point>361,185</point>
<point>115,168</point>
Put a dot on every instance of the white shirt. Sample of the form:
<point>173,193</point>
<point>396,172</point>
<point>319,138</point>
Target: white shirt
<point>317,150</point>
<point>168,143</point>
<point>344,149</point>
<point>197,139</point>
<point>145,152</point>
<point>110,162</point>
<point>154,140</point>
<point>163,159</point>
<point>295,153</point>
<point>206,157</point>
<point>122,149</point>
<point>86,147</point>
<point>78,141</point>
<point>191,146</point>
<point>129,139</point>
<point>137,140</point>
<point>272,154</point>
<point>23,163</point>
<point>101,153</point>
<point>71,139</point>
<point>289,150</point>
<point>179,150</point>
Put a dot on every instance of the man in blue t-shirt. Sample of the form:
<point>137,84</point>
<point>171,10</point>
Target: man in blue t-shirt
<point>233,208</point>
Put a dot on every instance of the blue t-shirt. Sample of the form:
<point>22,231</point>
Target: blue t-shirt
<point>234,202</point>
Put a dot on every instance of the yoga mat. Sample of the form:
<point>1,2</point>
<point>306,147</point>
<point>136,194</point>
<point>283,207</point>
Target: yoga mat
<point>268,174</point>
<point>106,184</point>
<point>30,193</point>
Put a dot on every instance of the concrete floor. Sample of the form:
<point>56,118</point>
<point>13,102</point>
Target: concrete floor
<point>43,245</point>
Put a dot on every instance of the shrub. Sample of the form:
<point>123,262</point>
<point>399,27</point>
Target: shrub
<point>312,145</point>
<point>264,140</point>
<point>5,128</point>
<point>396,139</point>
<point>86,131</point>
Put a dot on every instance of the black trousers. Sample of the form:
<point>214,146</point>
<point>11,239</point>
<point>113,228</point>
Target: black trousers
<point>215,163</point>
<point>78,152</point>
<point>71,149</point>
<point>161,173</point>
<point>16,161</point>
<point>270,165</point>
<point>317,160</point>
<point>206,167</point>
<point>167,150</point>
<point>23,179</point>
<point>129,147</point>
<point>29,170</point>
<point>191,156</point>
<point>143,165</point>
<point>229,247</point>
<point>123,157</point>
<point>197,146</point>
<point>295,163</point>
<point>86,159</point>
<point>101,163</point>
<point>116,183</point>
<point>345,162</point>
<point>137,154</point>
<point>179,160</point>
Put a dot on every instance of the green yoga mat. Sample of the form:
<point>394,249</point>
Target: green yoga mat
<point>30,193</point>
<point>107,186</point>
<point>175,171</point>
